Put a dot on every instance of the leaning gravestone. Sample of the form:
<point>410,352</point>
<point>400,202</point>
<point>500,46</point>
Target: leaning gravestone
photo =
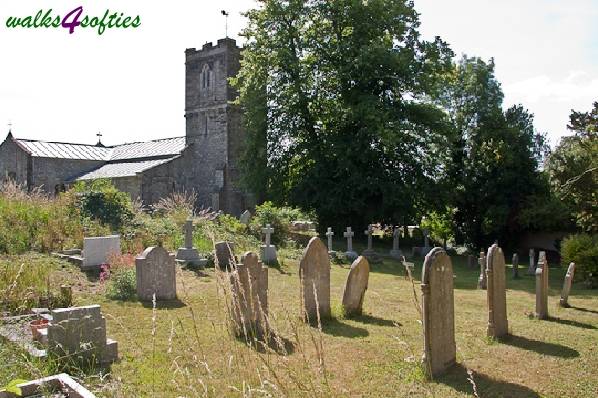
<point>245,217</point>
<point>482,278</point>
<point>351,255</point>
<point>314,273</point>
<point>564,302</point>
<point>268,250</point>
<point>79,333</point>
<point>532,265</point>
<point>497,296</point>
<point>515,263</point>
<point>355,287</point>
<point>156,274</point>
<point>542,287</point>
<point>249,288</point>
<point>438,312</point>
<point>224,255</point>
<point>189,254</point>
<point>97,251</point>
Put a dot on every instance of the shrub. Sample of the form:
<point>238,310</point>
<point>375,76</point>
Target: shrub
<point>100,200</point>
<point>279,218</point>
<point>123,284</point>
<point>582,249</point>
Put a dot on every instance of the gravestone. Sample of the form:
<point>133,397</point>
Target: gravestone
<point>249,288</point>
<point>245,217</point>
<point>542,287</point>
<point>189,254</point>
<point>79,333</point>
<point>471,261</point>
<point>156,274</point>
<point>224,255</point>
<point>564,302</point>
<point>355,287</point>
<point>369,253</point>
<point>268,250</point>
<point>482,278</point>
<point>438,312</point>
<point>515,263</point>
<point>314,274</point>
<point>532,265</point>
<point>97,251</point>
<point>351,255</point>
<point>329,235</point>
<point>396,250</point>
<point>497,295</point>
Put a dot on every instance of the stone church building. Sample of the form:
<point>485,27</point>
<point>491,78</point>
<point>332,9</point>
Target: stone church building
<point>204,161</point>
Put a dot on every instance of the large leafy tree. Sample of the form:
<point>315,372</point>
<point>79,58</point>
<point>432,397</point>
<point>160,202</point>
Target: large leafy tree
<point>494,165</point>
<point>337,111</point>
<point>573,168</point>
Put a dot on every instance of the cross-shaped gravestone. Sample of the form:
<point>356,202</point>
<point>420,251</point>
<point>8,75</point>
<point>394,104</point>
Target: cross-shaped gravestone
<point>369,232</point>
<point>396,235</point>
<point>349,235</point>
<point>329,234</point>
<point>189,234</point>
<point>268,231</point>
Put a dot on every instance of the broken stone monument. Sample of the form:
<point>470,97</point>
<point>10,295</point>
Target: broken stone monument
<point>268,250</point>
<point>351,255</point>
<point>542,287</point>
<point>564,302</point>
<point>224,255</point>
<point>245,217</point>
<point>396,250</point>
<point>329,235</point>
<point>249,288</point>
<point>189,254</point>
<point>438,312</point>
<point>515,263</point>
<point>314,273</point>
<point>79,334</point>
<point>532,265</point>
<point>497,295</point>
<point>156,274</point>
<point>355,287</point>
<point>482,264</point>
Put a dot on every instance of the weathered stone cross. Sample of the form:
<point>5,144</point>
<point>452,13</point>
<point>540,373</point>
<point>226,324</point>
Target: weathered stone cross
<point>369,232</point>
<point>189,234</point>
<point>329,234</point>
<point>349,235</point>
<point>396,234</point>
<point>268,231</point>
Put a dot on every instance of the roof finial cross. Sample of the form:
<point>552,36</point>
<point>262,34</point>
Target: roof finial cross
<point>9,126</point>
<point>99,135</point>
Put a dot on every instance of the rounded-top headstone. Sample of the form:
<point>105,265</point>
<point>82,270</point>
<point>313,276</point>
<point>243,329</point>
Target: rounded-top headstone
<point>314,272</point>
<point>357,284</point>
<point>496,292</point>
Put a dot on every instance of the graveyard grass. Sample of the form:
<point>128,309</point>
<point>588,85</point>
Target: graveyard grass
<point>188,351</point>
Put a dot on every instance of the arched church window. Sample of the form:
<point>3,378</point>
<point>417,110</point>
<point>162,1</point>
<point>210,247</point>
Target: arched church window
<point>206,76</point>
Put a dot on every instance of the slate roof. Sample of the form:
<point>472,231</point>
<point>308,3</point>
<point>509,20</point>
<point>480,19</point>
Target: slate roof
<point>123,169</point>
<point>166,147</point>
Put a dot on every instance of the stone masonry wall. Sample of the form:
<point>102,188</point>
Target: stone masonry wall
<point>50,172</point>
<point>13,162</point>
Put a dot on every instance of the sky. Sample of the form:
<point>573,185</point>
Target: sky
<point>128,84</point>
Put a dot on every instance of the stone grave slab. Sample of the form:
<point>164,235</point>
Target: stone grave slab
<point>314,274</point>
<point>355,287</point>
<point>156,274</point>
<point>97,251</point>
<point>498,325</point>
<point>564,301</point>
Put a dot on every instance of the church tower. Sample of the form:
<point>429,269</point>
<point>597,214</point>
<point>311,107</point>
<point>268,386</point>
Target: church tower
<point>214,131</point>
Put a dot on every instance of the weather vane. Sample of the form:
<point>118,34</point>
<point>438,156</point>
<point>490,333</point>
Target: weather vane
<point>223,12</point>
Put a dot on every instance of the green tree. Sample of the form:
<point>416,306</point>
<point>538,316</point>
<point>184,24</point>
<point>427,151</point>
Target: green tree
<point>338,95</point>
<point>495,155</point>
<point>573,169</point>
